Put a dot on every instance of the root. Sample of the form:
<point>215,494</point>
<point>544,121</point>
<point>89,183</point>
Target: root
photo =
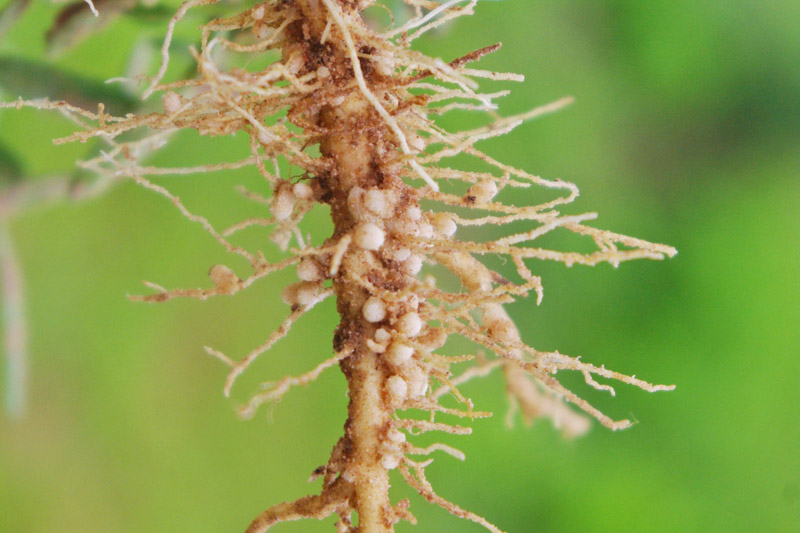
<point>162,70</point>
<point>275,392</point>
<point>277,335</point>
<point>332,500</point>
<point>424,488</point>
<point>369,105</point>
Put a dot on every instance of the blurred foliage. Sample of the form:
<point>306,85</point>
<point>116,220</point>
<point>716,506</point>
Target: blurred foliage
<point>686,131</point>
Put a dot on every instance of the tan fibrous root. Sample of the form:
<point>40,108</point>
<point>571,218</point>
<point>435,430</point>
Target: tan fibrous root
<point>369,103</point>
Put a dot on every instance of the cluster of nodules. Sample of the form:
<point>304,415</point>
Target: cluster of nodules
<point>385,218</point>
<point>285,197</point>
<point>401,345</point>
<point>386,244</point>
<point>386,221</point>
<point>285,200</point>
<point>407,374</point>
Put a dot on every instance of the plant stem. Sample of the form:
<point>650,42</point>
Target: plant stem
<point>365,430</point>
<point>351,148</point>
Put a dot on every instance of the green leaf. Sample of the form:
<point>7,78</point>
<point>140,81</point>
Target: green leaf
<point>76,20</point>
<point>10,13</point>
<point>21,78</point>
<point>10,166</point>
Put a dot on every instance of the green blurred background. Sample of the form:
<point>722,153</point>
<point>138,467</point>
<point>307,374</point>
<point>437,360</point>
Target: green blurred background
<point>685,130</point>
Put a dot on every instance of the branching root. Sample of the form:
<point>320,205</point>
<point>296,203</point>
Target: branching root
<point>348,117</point>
